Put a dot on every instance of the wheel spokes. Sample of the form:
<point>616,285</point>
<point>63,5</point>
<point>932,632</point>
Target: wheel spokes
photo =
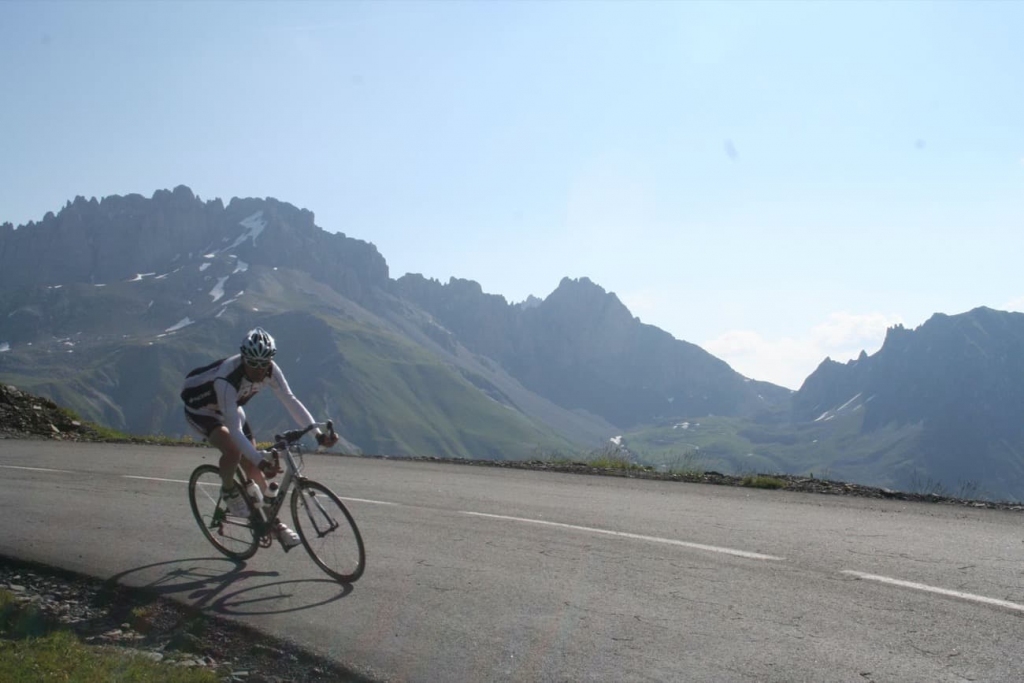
<point>328,531</point>
<point>230,535</point>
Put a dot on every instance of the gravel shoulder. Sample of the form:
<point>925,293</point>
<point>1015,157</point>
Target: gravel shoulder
<point>111,615</point>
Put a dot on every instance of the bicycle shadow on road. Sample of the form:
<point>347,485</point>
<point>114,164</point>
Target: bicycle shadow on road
<point>217,584</point>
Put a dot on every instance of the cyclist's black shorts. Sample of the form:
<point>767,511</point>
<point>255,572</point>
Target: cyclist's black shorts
<point>205,424</point>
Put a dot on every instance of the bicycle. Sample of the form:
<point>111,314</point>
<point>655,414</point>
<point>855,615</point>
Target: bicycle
<point>323,519</point>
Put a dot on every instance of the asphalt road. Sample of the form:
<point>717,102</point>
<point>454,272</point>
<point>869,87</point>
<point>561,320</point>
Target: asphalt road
<point>486,574</point>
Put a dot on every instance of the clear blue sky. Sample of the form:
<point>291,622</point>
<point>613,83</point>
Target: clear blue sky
<point>775,182</point>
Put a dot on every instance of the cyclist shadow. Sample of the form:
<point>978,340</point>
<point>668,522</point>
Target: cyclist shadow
<point>205,584</point>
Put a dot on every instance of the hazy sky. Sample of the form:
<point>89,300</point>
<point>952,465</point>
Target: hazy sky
<point>776,182</point>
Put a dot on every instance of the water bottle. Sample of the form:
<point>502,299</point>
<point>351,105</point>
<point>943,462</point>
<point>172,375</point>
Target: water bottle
<point>255,495</point>
<point>271,495</point>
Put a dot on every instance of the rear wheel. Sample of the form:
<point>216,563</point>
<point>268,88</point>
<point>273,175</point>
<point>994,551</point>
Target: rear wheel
<point>328,531</point>
<point>232,536</point>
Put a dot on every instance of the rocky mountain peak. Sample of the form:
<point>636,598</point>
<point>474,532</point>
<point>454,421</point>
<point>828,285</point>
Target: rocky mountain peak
<point>575,301</point>
<point>951,370</point>
<point>115,238</point>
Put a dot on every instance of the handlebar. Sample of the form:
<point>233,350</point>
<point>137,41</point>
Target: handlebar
<point>294,435</point>
<point>271,466</point>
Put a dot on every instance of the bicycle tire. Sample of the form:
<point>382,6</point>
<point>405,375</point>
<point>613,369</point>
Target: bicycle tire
<point>320,524</point>
<point>209,514</point>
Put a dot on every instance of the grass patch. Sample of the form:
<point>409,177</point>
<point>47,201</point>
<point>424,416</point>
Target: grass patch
<point>36,648</point>
<point>614,458</point>
<point>60,656</point>
<point>99,432</point>
<point>554,456</point>
<point>612,463</point>
<point>761,481</point>
<point>106,434</point>
<point>689,463</point>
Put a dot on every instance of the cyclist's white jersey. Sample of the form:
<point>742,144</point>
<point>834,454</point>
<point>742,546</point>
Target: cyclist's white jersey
<point>220,389</point>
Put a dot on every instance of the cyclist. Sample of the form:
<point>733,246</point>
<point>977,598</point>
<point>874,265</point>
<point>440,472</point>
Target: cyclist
<point>214,395</point>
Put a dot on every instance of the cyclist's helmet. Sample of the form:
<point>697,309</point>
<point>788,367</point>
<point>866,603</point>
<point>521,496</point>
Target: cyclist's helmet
<point>258,346</point>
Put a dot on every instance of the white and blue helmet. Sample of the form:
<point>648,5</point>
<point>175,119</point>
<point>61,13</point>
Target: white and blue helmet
<point>258,346</point>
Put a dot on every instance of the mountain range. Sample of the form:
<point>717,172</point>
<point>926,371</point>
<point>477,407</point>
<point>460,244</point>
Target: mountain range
<point>106,304</point>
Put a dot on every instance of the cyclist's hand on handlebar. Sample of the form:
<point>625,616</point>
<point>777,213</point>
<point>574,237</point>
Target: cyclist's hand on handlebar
<point>270,465</point>
<point>327,440</point>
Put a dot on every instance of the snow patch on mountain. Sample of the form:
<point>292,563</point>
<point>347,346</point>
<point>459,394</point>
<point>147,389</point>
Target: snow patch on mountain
<point>218,290</point>
<point>831,414</point>
<point>184,322</point>
<point>253,225</point>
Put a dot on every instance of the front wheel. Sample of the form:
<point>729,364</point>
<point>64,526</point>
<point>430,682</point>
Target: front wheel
<point>233,536</point>
<point>328,531</point>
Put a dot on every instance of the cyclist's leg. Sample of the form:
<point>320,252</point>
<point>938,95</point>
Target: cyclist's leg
<point>251,468</point>
<point>231,457</point>
<point>229,454</point>
<point>214,431</point>
<point>254,473</point>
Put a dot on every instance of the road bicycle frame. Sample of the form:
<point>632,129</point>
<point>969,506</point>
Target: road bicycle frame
<point>288,445</point>
<point>322,521</point>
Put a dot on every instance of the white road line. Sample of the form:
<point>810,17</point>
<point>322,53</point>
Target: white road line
<point>940,591</point>
<point>591,529</point>
<point>639,537</point>
<point>171,481</point>
<point>34,469</point>
<point>374,502</point>
<point>179,481</point>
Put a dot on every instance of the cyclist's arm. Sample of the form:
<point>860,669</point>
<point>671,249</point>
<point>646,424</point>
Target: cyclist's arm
<point>227,401</point>
<point>280,387</point>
